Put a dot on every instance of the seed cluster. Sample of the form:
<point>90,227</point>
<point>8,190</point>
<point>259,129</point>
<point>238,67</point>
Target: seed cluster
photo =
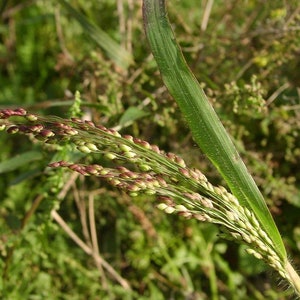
<point>178,189</point>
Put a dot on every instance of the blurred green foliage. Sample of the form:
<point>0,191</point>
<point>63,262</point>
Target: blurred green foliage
<point>247,58</point>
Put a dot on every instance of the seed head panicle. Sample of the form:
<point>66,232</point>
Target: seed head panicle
<point>177,188</point>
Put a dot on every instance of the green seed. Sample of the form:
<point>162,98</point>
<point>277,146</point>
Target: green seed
<point>84,149</point>
<point>162,206</point>
<point>150,192</point>
<point>170,210</point>
<point>129,154</point>
<point>181,208</point>
<point>145,168</point>
<point>31,117</point>
<point>91,146</point>
<point>125,148</point>
<point>110,155</point>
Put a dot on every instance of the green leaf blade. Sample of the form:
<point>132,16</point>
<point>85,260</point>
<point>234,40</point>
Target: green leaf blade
<point>207,129</point>
<point>117,53</point>
<point>19,161</point>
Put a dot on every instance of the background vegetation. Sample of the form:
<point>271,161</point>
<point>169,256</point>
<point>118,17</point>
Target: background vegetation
<point>246,55</point>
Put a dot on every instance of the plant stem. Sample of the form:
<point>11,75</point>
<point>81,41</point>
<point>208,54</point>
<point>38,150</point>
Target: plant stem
<point>294,278</point>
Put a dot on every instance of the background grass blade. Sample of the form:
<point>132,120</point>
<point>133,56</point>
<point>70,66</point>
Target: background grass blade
<point>205,125</point>
<point>19,161</point>
<point>114,51</point>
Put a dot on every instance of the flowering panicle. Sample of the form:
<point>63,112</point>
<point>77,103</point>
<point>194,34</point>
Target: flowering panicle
<point>178,189</point>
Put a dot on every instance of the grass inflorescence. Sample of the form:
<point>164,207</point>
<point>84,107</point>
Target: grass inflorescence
<point>150,171</point>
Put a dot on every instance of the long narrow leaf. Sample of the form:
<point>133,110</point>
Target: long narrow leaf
<point>117,53</point>
<point>207,130</point>
<point>19,161</point>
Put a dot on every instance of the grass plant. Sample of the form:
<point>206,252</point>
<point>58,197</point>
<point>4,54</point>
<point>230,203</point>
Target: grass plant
<point>143,171</point>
